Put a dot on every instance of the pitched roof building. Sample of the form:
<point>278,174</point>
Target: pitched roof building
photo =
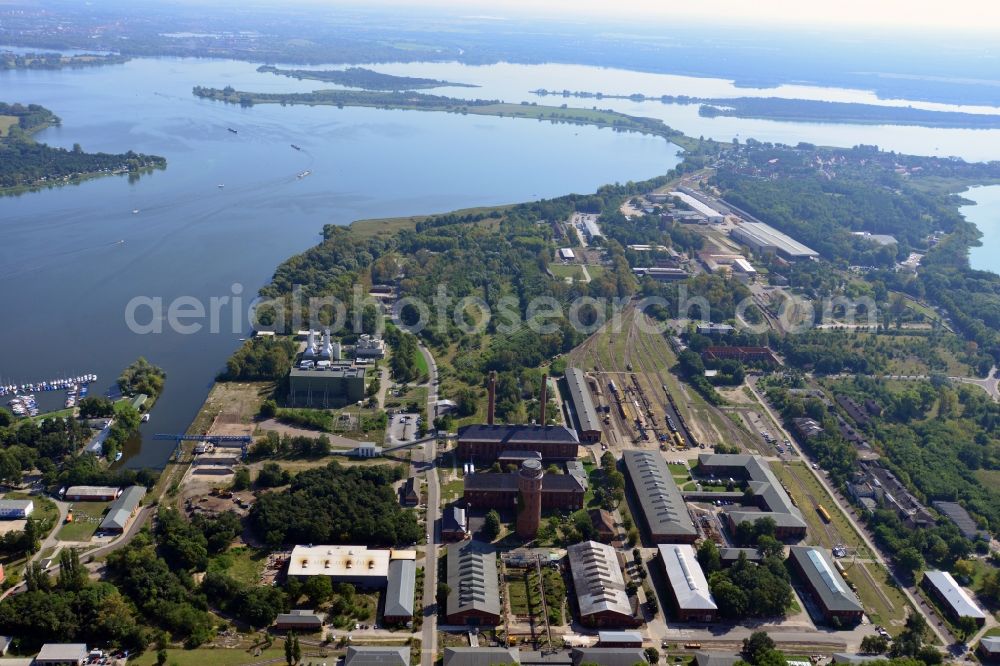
<point>481,656</point>
<point>122,510</point>
<point>951,596</point>
<point>769,495</point>
<point>399,591</point>
<point>600,586</point>
<point>474,596</point>
<point>588,424</point>
<point>827,587</point>
<point>376,655</point>
<point>663,509</point>
<point>692,600</point>
<point>299,619</point>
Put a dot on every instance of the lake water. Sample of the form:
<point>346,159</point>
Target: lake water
<point>512,83</point>
<point>67,276</point>
<point>73,257</point>
<point>986,215</point>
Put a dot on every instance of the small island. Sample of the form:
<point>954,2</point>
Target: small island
<point>26,164</point>
<point>805,110</point>
<point>365,79</point>
<point>10,60</point>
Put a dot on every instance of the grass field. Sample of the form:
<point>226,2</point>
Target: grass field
<point>425,371</point>
<point>566,271</point>
<point>889,611</point>
<point>452,490</point>
<point>6,122</point>
<point>45,509</point>
<point>86,518</point>
<point>242,564</point>
<point>988,477</point>
<point>222,656</point>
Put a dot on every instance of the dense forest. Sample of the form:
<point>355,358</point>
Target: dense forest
<point>336,504</point>
<point>25,163</point>
<point>365,79</point>
<point>260,358</point>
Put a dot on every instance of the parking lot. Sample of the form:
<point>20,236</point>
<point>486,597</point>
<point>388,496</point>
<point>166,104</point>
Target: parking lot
<point>403,427</point>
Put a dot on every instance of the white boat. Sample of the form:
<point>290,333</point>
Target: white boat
<point>221,186</point>
<point>145,418</point>
<point>118,456</point>
<point>135,211</point>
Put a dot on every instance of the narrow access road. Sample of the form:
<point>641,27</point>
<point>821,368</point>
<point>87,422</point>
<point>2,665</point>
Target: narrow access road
<point>428,646</point>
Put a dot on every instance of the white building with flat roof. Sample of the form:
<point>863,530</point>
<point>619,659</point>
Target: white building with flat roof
<point>567,254</point>
<point>358,565</point>
<point>761,237</point>
<point>15,509</point>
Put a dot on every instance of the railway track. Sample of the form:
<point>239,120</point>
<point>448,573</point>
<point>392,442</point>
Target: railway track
<point>663,395</point>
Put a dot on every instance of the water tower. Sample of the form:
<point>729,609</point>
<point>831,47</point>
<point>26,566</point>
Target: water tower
<point>529,506</point>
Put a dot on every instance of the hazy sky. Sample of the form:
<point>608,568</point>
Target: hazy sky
<point>975,15</point>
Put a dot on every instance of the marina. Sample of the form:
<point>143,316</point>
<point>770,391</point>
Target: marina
<point>52,385</point>
<point>24,402</point>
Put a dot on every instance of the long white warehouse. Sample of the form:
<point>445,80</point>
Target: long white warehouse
<point>699,206</point>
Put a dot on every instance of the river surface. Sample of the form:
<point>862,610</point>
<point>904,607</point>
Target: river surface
<point>72,258</point>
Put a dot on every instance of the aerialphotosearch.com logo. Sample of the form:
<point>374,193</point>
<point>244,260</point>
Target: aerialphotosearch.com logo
<point>233,313</point>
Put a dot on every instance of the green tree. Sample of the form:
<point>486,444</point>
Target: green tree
<point>318,589</point>
<point>756,645</point>
<point>709,557</point>
<point>874,644</point>
<point>268,409</point>
<point>492,525</point>
<point>910,560</point>
<point>296,650</point>
<point>289,655</point>
<point>161,657</point>
<point>241,479</point>
<point>967,627</point>
<point>72,575</point>
<point>652,655</point>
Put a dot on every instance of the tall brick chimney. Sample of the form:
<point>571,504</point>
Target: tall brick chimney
<point>544,398</point>
<point>492,391</point>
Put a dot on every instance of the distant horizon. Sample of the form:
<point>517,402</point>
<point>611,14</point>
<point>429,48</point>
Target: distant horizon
<point>902,16</point>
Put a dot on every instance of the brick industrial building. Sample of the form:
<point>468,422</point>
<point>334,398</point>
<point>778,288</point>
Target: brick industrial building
<point>487,442</point>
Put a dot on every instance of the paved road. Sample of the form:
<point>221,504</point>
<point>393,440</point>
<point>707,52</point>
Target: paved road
<point>428,648</point>
<point>88,558</point>
<point>932,621</point>
<point>51,541</point>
